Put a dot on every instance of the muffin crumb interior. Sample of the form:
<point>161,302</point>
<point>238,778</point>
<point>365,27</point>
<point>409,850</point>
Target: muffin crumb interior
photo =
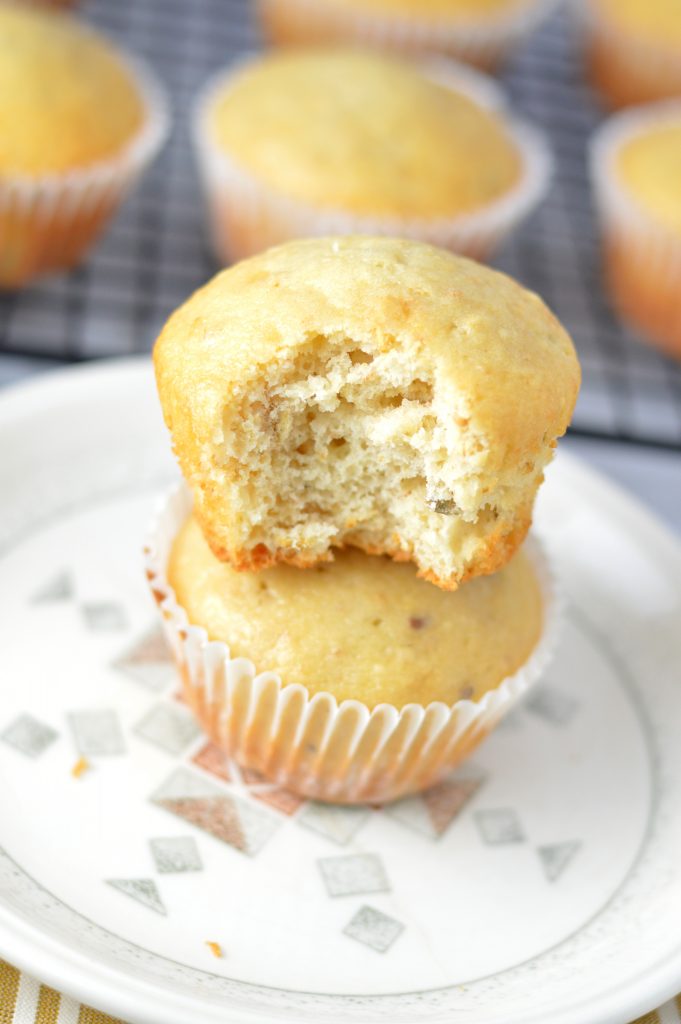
<point>349,444</point>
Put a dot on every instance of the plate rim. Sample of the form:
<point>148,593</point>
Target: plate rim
<point>139,1001</point>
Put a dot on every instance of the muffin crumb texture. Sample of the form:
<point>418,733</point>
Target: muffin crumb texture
<point>367,392</point>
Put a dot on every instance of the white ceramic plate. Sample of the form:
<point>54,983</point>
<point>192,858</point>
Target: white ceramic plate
<point>541,885</point>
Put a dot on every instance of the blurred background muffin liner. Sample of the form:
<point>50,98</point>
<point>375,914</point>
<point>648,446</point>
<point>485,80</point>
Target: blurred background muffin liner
<point>343,753</point>
<point>624,68</point>
<point>642,257</point>
<point>55,4</point>
<point>483,42</point>
<point>246,216</point>
<point>48,222</point>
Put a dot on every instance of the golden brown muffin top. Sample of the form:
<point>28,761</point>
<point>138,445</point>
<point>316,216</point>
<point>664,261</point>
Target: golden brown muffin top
<point>656,20</point>
<point>649,168</point>
<point>499,355</point>
<point>363,627</point>
<point>350,130</point>
<point>66,100</point>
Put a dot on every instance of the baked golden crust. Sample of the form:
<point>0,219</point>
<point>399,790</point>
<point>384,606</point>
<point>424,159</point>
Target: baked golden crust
<point>472,377</point>
<point>363,627</point>
<point>66,99</point>
<point>408,146</point>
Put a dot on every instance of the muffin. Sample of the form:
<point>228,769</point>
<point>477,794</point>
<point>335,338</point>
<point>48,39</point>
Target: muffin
<point>340,141</point>
<point>47,3</point>
<point>633,49</point>
<point>78,124</point>
<point>363,624</point>
<point>480,32</point>
<point>63,4</point>
<point>354,681</point>
<point>636,171</point>
<point>370,392</point>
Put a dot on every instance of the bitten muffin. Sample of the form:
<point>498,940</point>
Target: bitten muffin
<point>293,140</point>
<point>634,49</point>
<point>478,31</point>
<point>636,166</point>
<point>363,627</point>
<point>77,123</point>
<point>370,392</point>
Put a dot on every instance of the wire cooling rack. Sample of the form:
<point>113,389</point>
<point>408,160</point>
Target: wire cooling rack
<point>155,253</point>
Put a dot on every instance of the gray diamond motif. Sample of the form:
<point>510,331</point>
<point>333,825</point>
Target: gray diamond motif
<point>29,736</point>
<point>433,811</point>
<point>334,822</point>
<point>353,875</point>
<point>104,616</point>
<point>374,928</point>
<point>499,827</point>
<point>148,661</point>
<point>97,733</point>
<point>143,890</point>
<point>59,588</point>
<point>175,855</point>
<point>556,857</point>
<point>202,803</point>
<point>553,705</point>
<point>171,727</point>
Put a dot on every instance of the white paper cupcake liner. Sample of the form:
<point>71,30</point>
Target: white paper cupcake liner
<point>48,222</point>
<point>245,216</point>
<point>642,257</point>
<point>483,41</point>
<point>625,68</point>
<point>344,753</point>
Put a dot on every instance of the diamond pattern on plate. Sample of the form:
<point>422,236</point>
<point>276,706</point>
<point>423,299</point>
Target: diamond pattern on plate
<point>433,811</point>
<point>353,875</point>
<point>104,616</point>
<point>59,588</point>
<point>148,661</point>
<point>175,854</point>
<point>553,705</point>
<point>143,890</point>
<point>271,794</point>
<point>556,857</point>
<point>214,761</point>
<point>374,928</point>
<point>281,799</point>
<point>97,733</point>
<point>499,826</point>
<point>170,727</point>
<point>28,735</point>
<point>334,822</point>
<point>226,817</point>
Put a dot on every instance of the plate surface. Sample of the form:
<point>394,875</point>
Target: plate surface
<point>554,854</point>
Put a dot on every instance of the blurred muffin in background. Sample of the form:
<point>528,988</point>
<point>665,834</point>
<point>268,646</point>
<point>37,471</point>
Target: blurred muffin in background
<point>636,169</point>
<point>480,32</point>
<point>54,4</point>
<point>78,124</point>
<point>633,49</point>
<point>314,142</point>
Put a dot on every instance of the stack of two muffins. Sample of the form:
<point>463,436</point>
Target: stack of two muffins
<point>363,424</point>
